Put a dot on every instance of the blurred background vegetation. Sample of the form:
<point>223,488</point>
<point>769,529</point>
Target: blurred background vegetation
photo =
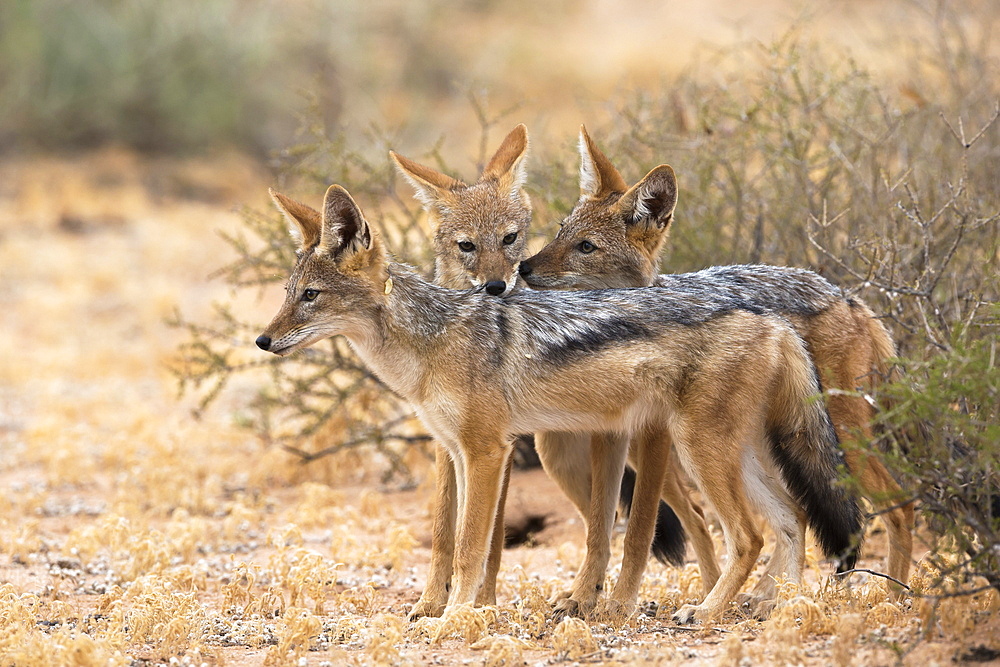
<point>860,140</point>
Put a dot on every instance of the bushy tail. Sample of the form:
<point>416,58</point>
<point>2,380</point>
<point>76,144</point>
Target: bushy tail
<point>883,349</point>
<point>670,540</point>
<point>806,448</point>
<point>883,371</point>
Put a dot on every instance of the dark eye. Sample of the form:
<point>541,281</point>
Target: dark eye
<point>510,238</point>
<point>466,246</point>
<point>587,247</point>
<point>310,294</point>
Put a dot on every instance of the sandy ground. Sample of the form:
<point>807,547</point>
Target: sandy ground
<point>132,532</point>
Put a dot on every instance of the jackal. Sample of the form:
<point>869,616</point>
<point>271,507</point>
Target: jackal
<point>479,237</point>
<point>729,384</point>
<point>613,238</point>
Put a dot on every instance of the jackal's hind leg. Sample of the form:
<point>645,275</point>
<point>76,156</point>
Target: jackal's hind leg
<point>884,493</point>
<point>718,471</point>
<point>788,522</point>
<point>608,453</point>
<point>692,518</point>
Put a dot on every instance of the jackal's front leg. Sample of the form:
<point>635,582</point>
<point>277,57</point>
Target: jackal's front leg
<point>488,590</point>
<point>608,454</point>
<point>484,471</point>
<point>435,596</point>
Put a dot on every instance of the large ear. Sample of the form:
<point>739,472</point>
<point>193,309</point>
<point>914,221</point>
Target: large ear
<point>598,177</point>
<point>344,225</point>
<point>651,201</point>
<point>304,223</point>
<point>507,166</point>
<point>432,187</point>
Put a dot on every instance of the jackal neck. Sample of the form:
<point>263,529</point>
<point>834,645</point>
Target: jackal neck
<point>399,342</point>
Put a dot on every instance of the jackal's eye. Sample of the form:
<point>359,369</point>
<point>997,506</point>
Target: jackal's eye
<point>586,247</point>
<point>510,238</point>
<point>466,246</point>
<point>310,295</point>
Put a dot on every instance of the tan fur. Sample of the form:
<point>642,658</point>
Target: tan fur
<point>724,377</point>
<point>848,345</point>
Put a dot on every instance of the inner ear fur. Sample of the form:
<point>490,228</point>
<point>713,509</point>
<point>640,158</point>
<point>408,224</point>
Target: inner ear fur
<point>652,200</point>
<point>305,222</point>
<point>598,177</point>
<point>344,225</point>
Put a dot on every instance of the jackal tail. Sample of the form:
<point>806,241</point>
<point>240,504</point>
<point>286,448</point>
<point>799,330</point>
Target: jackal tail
<point>669,541</point>
<point>805,446</point>
<point>883,371</point>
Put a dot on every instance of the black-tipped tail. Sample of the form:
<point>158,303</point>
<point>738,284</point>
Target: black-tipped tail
<point>810,470</point>
<point>670,540</point>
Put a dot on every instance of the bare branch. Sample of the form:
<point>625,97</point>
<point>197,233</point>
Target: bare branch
<point>867,571</point>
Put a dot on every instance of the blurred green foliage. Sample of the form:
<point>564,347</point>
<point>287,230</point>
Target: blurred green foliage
<point>153,75</point>
<point>182,76</point>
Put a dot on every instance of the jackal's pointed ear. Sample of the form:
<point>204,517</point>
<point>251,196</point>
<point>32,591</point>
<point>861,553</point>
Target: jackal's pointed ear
<point>507,166</point>
<point>344,225</point>
<point>648,209</point>
<point>651,201</point>
<point>433,189</point>
<point>598,177</point>
<point>304,223</point>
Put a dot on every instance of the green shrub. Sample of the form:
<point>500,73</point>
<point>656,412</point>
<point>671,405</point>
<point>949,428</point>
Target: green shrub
<point>149,74</point>
<point>952,401</point>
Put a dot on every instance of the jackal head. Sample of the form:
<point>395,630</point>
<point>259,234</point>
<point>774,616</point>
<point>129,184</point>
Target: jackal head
<point>480,229</point>
<point>340,275</point>
<point>614,234</point>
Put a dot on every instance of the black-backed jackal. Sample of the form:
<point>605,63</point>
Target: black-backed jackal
<point>613,238</point>
<point>732,387</point>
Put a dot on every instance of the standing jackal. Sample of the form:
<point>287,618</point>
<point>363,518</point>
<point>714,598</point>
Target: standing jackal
<point>479,237</point>
<point>480,231</point>
<point>613,238</point>
<point>729,385</point>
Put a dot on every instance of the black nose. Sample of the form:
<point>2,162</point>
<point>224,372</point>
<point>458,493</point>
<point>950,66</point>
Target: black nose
<point>524,269</point>
<point>496,287</point>
<point>264,342</point>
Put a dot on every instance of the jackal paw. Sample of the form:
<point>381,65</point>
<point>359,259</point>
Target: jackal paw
<point>756,606</point>
<point>562,595</point>
<point>689,614</point>
<point>425,608</point>
<point>611,612</point>
<point>568,607</point>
